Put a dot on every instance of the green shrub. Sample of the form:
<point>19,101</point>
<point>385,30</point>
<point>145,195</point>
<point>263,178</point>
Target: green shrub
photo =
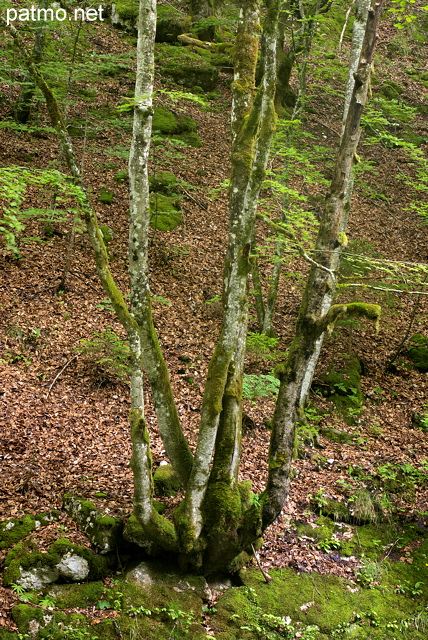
<point>108,353</point>
<point>259,386</point>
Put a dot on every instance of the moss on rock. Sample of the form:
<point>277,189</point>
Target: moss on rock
<point>70,596</point>
<point>418,352</point>
<point>99,566</point>
<point>174,125</point>
<point>104,532</point>
<point>170,23</point>
<point>164,212</point>
<point>163,182</point>
<point>11,531</point>
<point>50,625</point>
<point>27,566</point>
<point>165,481</point>
<point>186,68</point>
<point>14,530</point>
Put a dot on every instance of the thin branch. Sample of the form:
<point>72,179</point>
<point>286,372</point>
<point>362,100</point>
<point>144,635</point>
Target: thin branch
<point>345,24</point>
<point>202,206</point>
<point>316,264</point>
<point>369,286</point>
<point>58,375</point>
<point>266,576</point>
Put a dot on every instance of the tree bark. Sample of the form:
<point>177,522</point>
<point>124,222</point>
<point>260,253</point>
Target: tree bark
<point>313,315</point>
<point>359,28</point>
<point>23,104</point>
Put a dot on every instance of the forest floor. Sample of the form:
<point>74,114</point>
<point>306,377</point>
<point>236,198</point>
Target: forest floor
<point>64,427</point>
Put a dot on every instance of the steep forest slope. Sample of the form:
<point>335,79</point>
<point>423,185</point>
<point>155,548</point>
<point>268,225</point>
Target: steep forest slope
<point>64,396</point>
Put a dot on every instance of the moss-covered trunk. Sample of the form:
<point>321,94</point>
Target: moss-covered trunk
<point>212,523</point>
<point>22,107</point>
<point>314,314</point>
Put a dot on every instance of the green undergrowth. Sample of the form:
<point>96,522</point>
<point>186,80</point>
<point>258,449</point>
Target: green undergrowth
<point>342,387</point>
<point>385,597</point>
<point>185,67</point>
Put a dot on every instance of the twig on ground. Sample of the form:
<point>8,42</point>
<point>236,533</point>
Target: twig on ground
<point>202,206</point>
<point>265,574</point>
<point>58,375</point>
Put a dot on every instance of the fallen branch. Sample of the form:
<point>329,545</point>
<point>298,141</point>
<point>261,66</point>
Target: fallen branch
<point>202,206</point>
<point>265,574</point>
<point>58,375</point>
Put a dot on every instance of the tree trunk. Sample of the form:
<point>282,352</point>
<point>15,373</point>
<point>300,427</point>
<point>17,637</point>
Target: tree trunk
<point>359,28</point>
<point>307,35</point>
<point>201,9</point>
<point>23,104</point>
<point>314,318</point>
<point>215,507</point>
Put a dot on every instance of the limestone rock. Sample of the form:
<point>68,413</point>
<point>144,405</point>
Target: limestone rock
<point>73,567</point>
<point>104,532</point>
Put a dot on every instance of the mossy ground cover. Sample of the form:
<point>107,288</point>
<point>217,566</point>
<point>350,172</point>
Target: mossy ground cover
<point>386,597</point>
<point>15,529</point>
<point>186,68</point>
<point>336,607</point>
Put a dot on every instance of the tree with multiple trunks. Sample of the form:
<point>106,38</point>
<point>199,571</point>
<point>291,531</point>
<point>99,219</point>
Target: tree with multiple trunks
<point>220,520</point>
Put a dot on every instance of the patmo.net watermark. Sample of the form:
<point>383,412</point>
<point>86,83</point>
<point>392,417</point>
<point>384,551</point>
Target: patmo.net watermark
<point>54,12</point>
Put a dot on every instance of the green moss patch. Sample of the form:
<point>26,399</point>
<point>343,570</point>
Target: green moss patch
<point>44,624</point>
<point>327,605</point>
<point>27,566</point>
<point>165,481</point>
<point>185,68</point>
<point>99,566</point>
<point>11,531</point>
<point>14,530</point>
<point>176,125</point>
<point>163,182</point>
<point>164,212</point>
<point>170,24</point>
<point>26,558</point>
<point>70,596</point>
<point>105,196</point>
<point>418,352</point>
<point>104,532</point>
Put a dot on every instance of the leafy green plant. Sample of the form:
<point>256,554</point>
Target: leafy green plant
<point>72,633</point>
<point>180,620</point>
<point>261,343</point>
<point>328,545</point>
<point>18,589</point>
<point>47,601</point>
<point>259,386</point>
<point>108,352</point>
<point>370,573</point>
<point>312,414</point>
<point>407,587</point>
<point>320,499</point>
<point>14,182</point>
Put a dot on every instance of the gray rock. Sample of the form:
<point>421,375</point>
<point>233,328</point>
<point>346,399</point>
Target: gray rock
<point>147,574</point>
<point>73,567</point>
<point>37,577</point>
